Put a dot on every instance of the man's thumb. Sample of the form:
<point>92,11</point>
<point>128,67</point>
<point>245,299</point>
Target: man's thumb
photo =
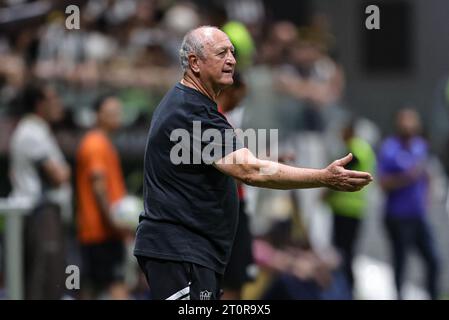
<point>344,161</point>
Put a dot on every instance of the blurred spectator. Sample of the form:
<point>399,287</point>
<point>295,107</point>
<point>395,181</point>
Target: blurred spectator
<point>348,208</point>
<point>314,78</point>
<point>300,273</point>
<point>40,173</point>
<point>319,31</point>
<point>100,184</point>
<point>402,166</point>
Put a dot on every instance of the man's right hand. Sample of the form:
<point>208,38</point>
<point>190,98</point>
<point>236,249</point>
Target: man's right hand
<point>338,178</point>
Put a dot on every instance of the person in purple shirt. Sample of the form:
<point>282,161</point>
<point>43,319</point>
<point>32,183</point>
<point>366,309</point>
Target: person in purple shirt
<point>402,162</point>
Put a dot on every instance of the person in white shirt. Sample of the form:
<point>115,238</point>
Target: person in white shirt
<point>40,174</point>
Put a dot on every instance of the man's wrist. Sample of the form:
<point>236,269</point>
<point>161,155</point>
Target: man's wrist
<point>323,178</point>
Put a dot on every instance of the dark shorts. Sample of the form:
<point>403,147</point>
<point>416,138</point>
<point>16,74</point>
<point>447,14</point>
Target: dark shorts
<point>176,280</point>
<point>237,270</point>
<point>102,264</point>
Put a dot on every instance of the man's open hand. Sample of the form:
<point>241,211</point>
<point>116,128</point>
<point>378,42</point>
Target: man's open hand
<point>341,179</point>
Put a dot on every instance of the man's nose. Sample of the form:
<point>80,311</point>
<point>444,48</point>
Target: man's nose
<point>231,59</point>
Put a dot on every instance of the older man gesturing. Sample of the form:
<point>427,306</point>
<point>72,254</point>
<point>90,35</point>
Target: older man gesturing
<point>186,231</point>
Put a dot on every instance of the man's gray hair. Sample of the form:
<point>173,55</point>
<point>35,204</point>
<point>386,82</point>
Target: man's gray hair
<point>192,43</point>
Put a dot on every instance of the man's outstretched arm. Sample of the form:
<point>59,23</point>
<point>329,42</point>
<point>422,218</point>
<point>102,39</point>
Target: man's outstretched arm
<point>244,166</point>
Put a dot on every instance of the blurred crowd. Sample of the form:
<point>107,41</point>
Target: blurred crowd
<point>75,107</point>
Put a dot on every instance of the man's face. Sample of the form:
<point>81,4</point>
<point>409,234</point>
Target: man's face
<point>110,114</point>
<point>51,106</point>
<point>408,123</point>
<point>217,66</point>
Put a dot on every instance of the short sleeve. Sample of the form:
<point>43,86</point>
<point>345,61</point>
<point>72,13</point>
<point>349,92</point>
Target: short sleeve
<point>36,146</point>
<point>212,136</point>
<point>93,157</point>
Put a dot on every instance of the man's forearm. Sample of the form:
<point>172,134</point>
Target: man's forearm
<point>99,190</point>
<point>243,166</point>
<point>56,172</point>
<point>102,202</point>
<point>269,174</point>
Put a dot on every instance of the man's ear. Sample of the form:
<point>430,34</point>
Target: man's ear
<point>194,63</point>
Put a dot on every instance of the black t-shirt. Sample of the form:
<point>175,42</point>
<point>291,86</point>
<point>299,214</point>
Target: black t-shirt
<point>191,209</point>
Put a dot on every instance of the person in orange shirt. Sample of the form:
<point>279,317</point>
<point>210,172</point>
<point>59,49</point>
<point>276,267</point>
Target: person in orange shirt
<point>100,184</point>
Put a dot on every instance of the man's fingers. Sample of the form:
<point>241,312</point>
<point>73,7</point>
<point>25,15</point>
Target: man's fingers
<point>359,175</point>
<point>344,161</point>
<point>358,182</point>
